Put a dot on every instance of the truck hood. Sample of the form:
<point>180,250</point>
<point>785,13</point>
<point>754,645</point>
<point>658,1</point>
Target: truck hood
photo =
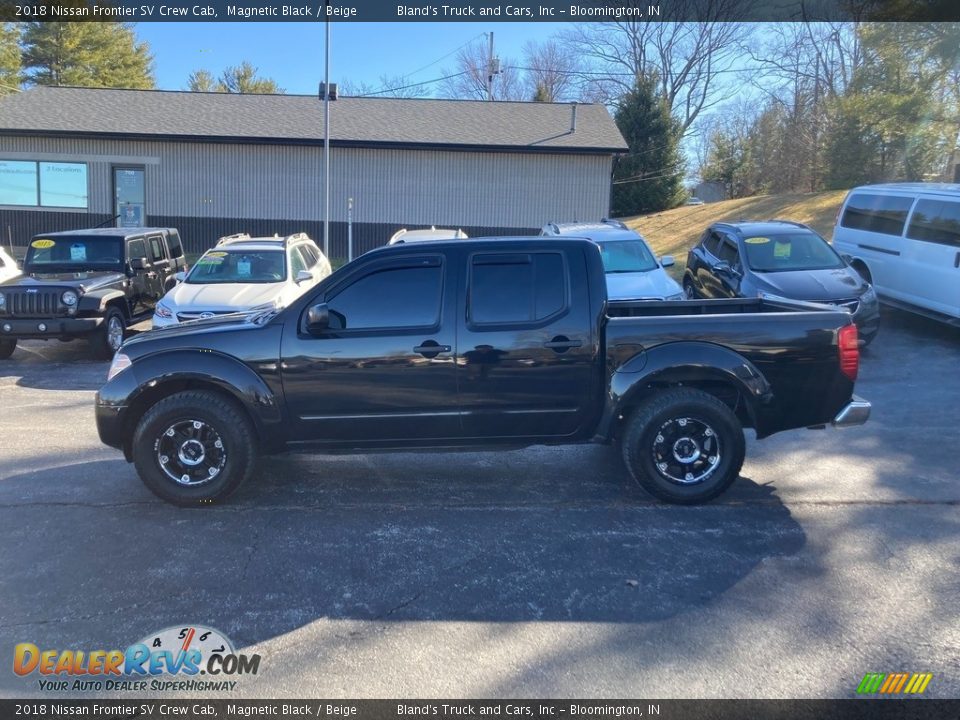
<point>649,285</point>
<point>195,330</point>
<point>196,297</point>
<point>815,285</point>
<point>84,281</point>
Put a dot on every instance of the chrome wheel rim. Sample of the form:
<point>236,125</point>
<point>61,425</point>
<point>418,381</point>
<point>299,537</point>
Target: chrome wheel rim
<point>686,450</point>
<point>115,333</point>
<point>191,452</point>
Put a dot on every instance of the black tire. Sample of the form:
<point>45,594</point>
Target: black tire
<point>221,420</point>
<point>103,343</point>
<point>7,347</point>
<point>687,414</point>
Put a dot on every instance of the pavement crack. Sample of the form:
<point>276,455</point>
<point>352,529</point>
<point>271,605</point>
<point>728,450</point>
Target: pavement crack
<point>255,546</point>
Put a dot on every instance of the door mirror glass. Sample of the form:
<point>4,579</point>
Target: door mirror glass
<point>667,261</point>
<point>138,263</point>
<point>303,276</point>
<point>318,318</point>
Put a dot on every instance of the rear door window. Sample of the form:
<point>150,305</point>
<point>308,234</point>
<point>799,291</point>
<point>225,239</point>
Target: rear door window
<point>936,221</point>
<point>728,252</point>
<point>156,248</point>
<point>712,244</point>
<point>885,214</point>
<point>516,287</point>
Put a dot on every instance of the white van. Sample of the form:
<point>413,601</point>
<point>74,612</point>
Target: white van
<point>905,239</point>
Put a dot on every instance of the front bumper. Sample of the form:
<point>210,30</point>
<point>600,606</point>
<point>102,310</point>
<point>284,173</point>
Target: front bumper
<point>856,412</point>
<point>59,327</point>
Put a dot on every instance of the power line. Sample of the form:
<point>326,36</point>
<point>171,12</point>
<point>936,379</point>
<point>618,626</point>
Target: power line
<point>407,75</point>
<point>412,85</point>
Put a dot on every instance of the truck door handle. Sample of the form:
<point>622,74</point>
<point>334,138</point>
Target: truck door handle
<point>561,343</point>
<point>431,348</point>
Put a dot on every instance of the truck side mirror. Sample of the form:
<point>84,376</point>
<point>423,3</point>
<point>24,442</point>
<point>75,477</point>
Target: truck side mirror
<point>725,268</point>
<point>138,263</point>
<point>667,261</point>
<point>303,276</point>
<point>318,318</point>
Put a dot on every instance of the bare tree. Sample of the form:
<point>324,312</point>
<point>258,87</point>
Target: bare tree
<point>394,86</point>
<point>695,61</point>
<point>550,71</point>
<point>468,79</point>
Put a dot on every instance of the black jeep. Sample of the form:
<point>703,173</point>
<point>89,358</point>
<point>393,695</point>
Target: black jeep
<point>89,283</point>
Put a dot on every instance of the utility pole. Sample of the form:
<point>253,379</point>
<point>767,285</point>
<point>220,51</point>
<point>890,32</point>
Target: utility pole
<point>490,70</point>
<point>326,141</point>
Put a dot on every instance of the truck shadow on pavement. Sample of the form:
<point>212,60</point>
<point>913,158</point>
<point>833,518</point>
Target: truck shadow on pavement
<point>533,535</point>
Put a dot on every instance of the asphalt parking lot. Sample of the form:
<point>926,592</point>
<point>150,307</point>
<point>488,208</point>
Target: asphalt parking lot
<point>540,572</point>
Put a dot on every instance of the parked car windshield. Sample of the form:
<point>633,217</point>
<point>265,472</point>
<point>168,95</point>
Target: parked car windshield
<point>790,251</point>
<point>46,253</point>
<point>238,266</point>
<point>627,256</point>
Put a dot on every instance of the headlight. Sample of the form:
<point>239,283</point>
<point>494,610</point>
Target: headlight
<point>163,311</point>
<point>678,296</point>
<point>69,298</point>
<point>3,301</point>
<point>120,363</point>
<point>869,295</point>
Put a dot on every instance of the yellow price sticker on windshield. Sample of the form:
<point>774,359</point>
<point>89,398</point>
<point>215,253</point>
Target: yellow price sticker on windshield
<point>757,240</point>
<point>42,244</point>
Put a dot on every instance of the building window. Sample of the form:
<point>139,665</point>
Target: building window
<point>43,184</point>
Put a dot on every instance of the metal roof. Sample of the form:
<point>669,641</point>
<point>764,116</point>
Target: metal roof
<point>298,119</point>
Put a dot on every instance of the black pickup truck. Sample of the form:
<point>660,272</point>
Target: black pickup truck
<point>496,342</point>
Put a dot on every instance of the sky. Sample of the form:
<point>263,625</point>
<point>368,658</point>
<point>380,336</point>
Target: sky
<point>293,53</point>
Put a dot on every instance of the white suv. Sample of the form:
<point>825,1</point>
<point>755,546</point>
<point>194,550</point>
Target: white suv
<point>243,273</point>
<point>8,266</point>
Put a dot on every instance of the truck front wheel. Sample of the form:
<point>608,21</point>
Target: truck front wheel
<point>683,446</point>
<point>194,448</point>
<point>6,348</point>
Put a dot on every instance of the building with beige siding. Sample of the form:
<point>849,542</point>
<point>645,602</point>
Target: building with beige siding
<point>213,164</point>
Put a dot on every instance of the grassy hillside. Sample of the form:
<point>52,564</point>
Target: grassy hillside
<point>674,231</point>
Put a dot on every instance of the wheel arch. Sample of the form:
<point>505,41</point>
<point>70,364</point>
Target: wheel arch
<point>202,371</point>
<point>714,369</point>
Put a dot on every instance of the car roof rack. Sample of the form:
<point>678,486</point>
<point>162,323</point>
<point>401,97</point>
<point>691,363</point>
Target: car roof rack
<point>788,222</point>
<point>236,237</point>
<point>295,237</point>
<point>615,223</point>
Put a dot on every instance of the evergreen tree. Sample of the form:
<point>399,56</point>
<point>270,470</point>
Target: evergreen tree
<point>240,79</point>
<point>243,79</point>
<point>86,54</point>
<point>9,58</point>
<point>650,177</point>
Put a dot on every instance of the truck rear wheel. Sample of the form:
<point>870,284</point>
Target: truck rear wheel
<point>7,347</point>
<point>684,446</point>
<point>194,448</point>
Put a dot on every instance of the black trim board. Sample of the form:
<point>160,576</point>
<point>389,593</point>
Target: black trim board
<point>316,142</point>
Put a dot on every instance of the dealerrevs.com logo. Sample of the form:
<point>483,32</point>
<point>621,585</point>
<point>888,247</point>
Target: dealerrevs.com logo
<point>172,659</point>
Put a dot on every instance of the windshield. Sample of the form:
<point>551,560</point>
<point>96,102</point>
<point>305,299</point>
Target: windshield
<point>627,256</point>
<point>790,251</point>
<point>238,266</point>
<point>47,253</point>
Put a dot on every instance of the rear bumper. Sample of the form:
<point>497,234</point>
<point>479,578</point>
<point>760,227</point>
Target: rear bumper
<point>856,412</point>
<point>29,328</point>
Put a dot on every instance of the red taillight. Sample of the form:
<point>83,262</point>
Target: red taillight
<point>849,350</point>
